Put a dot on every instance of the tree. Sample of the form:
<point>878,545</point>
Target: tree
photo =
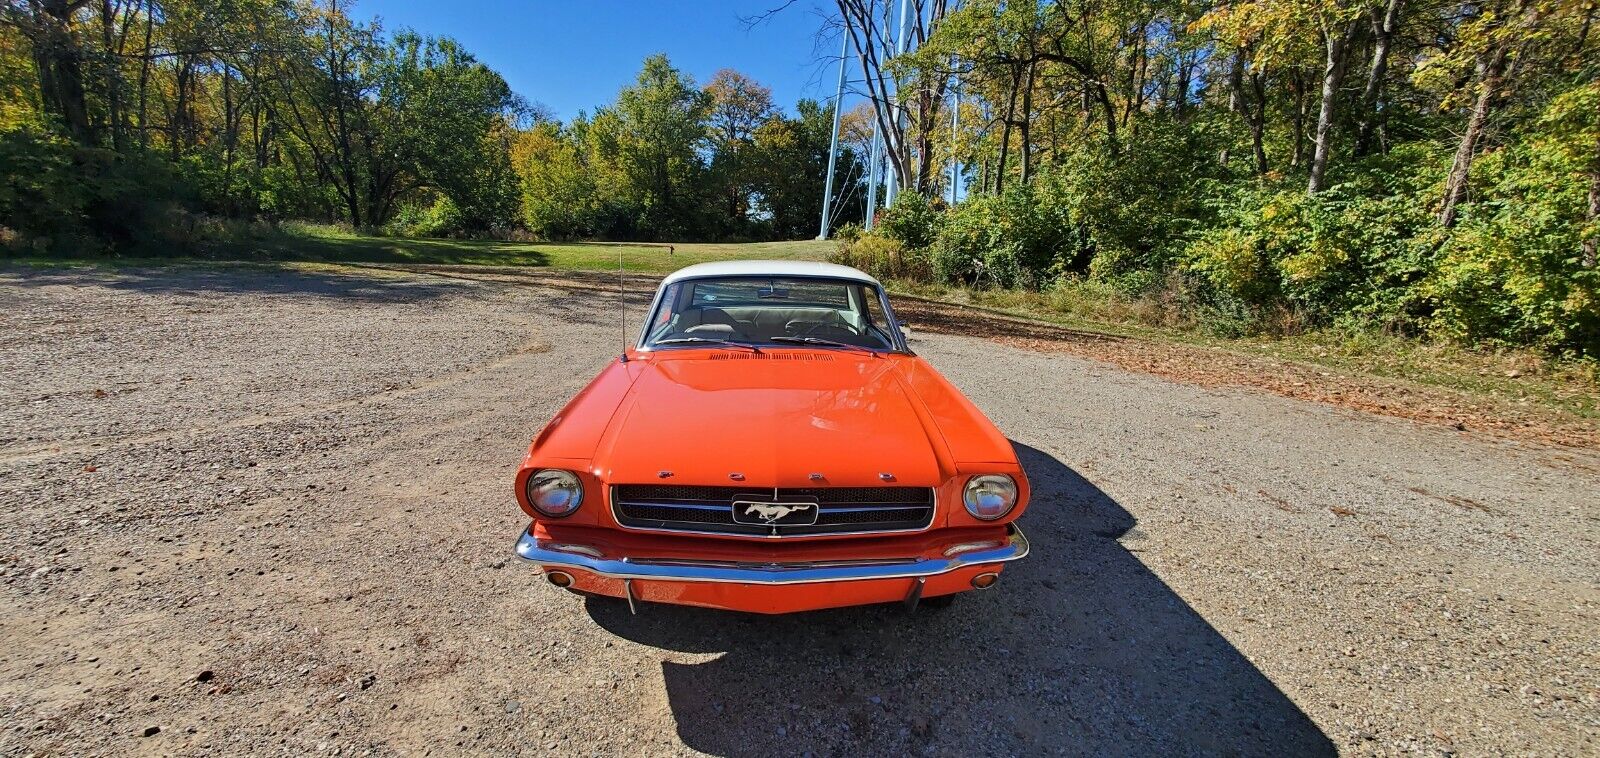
<point>910,97</point>
<point>1338,27</point>
<point>560,194</point>
<point>1489,39</point>
<point>739,105</point>
<point>788,163</point>
<point>449,122</point>
<point>1385,26</point>
<point>739,108</point>
<point>58,57</point>
<point>1272,33</point>
<point>655,134</point>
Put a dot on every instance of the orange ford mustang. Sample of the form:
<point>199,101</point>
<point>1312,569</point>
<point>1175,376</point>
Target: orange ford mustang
<point>770,444</point>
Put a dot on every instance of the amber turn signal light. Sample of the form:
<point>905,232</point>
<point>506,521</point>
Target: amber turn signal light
<point>984,581</point>
<point>560,579</point>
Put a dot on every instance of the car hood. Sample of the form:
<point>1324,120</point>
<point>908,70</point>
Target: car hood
<point>774,418</point>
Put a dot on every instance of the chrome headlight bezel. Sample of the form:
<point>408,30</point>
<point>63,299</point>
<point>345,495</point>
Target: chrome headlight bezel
<point>545,482</point>
<point>984,486</point>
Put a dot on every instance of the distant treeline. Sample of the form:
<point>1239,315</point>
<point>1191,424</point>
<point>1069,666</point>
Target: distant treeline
<point>122,122</point>
<point>1258,166</point>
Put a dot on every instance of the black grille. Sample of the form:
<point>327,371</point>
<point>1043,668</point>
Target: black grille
<point>878,495</point>
<point>689,492</point>
<point>693,508</point>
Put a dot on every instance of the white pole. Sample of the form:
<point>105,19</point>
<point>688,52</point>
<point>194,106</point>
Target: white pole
<point>833,145</point>
<point>872,173</point>
<point>955,126</point>
<point>892,181</point>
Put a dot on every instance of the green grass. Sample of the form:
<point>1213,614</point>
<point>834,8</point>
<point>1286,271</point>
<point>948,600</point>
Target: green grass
<point>1517,376</point>
<point>303,242</point>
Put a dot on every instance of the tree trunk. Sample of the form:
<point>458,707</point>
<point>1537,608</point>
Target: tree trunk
<point>1026,126</point>
<point>113,78</point>
<point>1005,131</point>
<point>230,137</point>
<point>1337,43</point>
<point>1383,29</point>
<point>144,74</point>
<point>931,98</point>
<point>1593,215</point>
<point>1297,129</point>
<point>59,61</point>
<point>1490,72</point>
<point>1235,100</point>
<point>1258,120</point>
<point>1138,69</point>
<point>180,125</point>
<point>1181,99</point>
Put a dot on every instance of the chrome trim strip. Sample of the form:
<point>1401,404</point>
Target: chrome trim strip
<point>741,536</point>
<point>534,550</point>
<point>759,564</point>
<point>688,505</point>
<point>877,508</point>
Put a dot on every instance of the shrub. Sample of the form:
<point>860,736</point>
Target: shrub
<point>59,196</point>
<point>1128,213</point>
<point>972,241</point>
<point>436,216</point>
<point>913,220</point>
<point>1349,253</point>
<point>1512,270</point>
<point>35,201</point>
<point>848,231</point>
<point>1010,240</point>
<point>884,258</point>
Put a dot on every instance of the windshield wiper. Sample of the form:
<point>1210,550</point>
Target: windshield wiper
<point>707,341</point>
<point>821,341</point>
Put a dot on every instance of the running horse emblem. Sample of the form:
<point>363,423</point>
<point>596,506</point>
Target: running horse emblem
<point>772,512</point>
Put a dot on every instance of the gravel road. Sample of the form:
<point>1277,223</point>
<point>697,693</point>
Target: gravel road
<point>268,511</point>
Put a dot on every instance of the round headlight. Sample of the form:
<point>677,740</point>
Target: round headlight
<point>554,492</point>
<point>990,496</point>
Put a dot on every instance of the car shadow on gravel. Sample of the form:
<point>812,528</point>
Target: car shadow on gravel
<point>1080,649</point>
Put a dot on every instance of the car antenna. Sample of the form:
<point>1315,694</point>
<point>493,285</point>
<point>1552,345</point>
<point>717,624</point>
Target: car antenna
<point>622,304</point>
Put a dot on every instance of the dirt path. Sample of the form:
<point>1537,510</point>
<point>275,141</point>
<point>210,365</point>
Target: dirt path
<point>270,512</point>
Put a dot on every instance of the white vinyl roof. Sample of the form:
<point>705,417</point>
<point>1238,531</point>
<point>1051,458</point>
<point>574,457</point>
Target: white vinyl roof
<point>768,268</point>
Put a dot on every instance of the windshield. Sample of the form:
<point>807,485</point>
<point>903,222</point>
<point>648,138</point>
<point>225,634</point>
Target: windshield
<point>771,310</point>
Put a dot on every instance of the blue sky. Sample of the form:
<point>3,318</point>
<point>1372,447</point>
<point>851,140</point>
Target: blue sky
<point>575,55</point>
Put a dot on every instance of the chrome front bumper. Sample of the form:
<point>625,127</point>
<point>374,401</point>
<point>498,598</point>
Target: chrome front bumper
<point>551,554</point>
